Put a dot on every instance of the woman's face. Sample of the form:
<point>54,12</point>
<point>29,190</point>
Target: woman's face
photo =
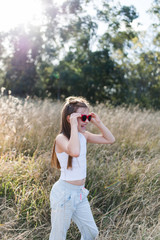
<point>82,125</point>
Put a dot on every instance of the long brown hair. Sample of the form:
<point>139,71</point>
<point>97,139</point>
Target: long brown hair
<point>70,106</point>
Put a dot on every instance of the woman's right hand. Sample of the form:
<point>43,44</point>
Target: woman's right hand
<point>73,118</point>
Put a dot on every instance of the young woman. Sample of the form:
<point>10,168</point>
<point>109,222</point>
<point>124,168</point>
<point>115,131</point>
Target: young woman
<point>68,196</point>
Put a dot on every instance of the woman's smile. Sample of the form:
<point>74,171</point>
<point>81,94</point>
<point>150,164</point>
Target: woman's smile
<point>83,127</point>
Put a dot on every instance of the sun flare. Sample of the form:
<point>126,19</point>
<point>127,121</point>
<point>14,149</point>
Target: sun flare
<point>15,12</point>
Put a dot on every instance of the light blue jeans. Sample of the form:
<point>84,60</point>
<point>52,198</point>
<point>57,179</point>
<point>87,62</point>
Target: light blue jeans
<point>68,202</point>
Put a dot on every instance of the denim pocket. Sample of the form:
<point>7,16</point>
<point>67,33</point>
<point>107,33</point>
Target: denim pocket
<point>59,199</point>
<point>66,199</point>
<point>85,191</point>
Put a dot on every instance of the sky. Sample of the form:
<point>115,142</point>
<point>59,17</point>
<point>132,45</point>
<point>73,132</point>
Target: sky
<point>14,12</point>
<point>142,6</point>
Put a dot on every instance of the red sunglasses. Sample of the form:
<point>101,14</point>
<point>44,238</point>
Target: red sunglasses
<point>85,117</point>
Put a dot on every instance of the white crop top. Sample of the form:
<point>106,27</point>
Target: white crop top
<point>79,165</point>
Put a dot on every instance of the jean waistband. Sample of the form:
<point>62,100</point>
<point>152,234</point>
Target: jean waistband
<point>69,185</point>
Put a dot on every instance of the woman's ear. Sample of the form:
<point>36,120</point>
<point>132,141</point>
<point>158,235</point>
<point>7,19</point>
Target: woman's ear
<point>68,118</point>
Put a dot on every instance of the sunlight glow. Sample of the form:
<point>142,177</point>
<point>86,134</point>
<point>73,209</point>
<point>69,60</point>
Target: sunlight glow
<point>16,12</point>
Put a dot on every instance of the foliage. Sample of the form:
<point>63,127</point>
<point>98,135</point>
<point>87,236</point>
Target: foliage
<point>94,74</point>
<point>21,74</point>
<point>145,91</point>
<point>66,55</point>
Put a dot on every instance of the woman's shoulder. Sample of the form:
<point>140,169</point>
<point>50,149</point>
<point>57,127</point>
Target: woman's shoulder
<point>60,137</point>
<point>61,141</point>
<point>85,134</point>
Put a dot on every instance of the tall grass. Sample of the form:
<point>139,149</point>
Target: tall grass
<point>123,178</point>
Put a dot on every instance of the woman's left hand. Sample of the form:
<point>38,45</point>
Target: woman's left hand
<point>95,118</point>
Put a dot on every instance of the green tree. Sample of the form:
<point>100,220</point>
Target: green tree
<point>2,50</point>
<point>66,56</point>
<point>144,78</point>
<point>21,74</point>
<point>115,19</point>
<point>97,72</point>
<point>95,76</point>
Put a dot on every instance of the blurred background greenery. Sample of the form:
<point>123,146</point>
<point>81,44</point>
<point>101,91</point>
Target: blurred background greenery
<point>81,47</point>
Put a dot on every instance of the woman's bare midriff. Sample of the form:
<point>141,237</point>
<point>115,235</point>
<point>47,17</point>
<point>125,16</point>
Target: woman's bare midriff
<point>78,182</point>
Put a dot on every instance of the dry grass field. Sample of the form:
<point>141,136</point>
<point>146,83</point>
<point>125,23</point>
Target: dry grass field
<point>123,178</point>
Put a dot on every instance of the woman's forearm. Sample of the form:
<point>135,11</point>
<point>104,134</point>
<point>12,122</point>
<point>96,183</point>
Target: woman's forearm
<point>106,133</point>
<point>73,143</point>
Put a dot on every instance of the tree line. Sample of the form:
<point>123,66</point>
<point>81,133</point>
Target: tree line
<point>66,55</point>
